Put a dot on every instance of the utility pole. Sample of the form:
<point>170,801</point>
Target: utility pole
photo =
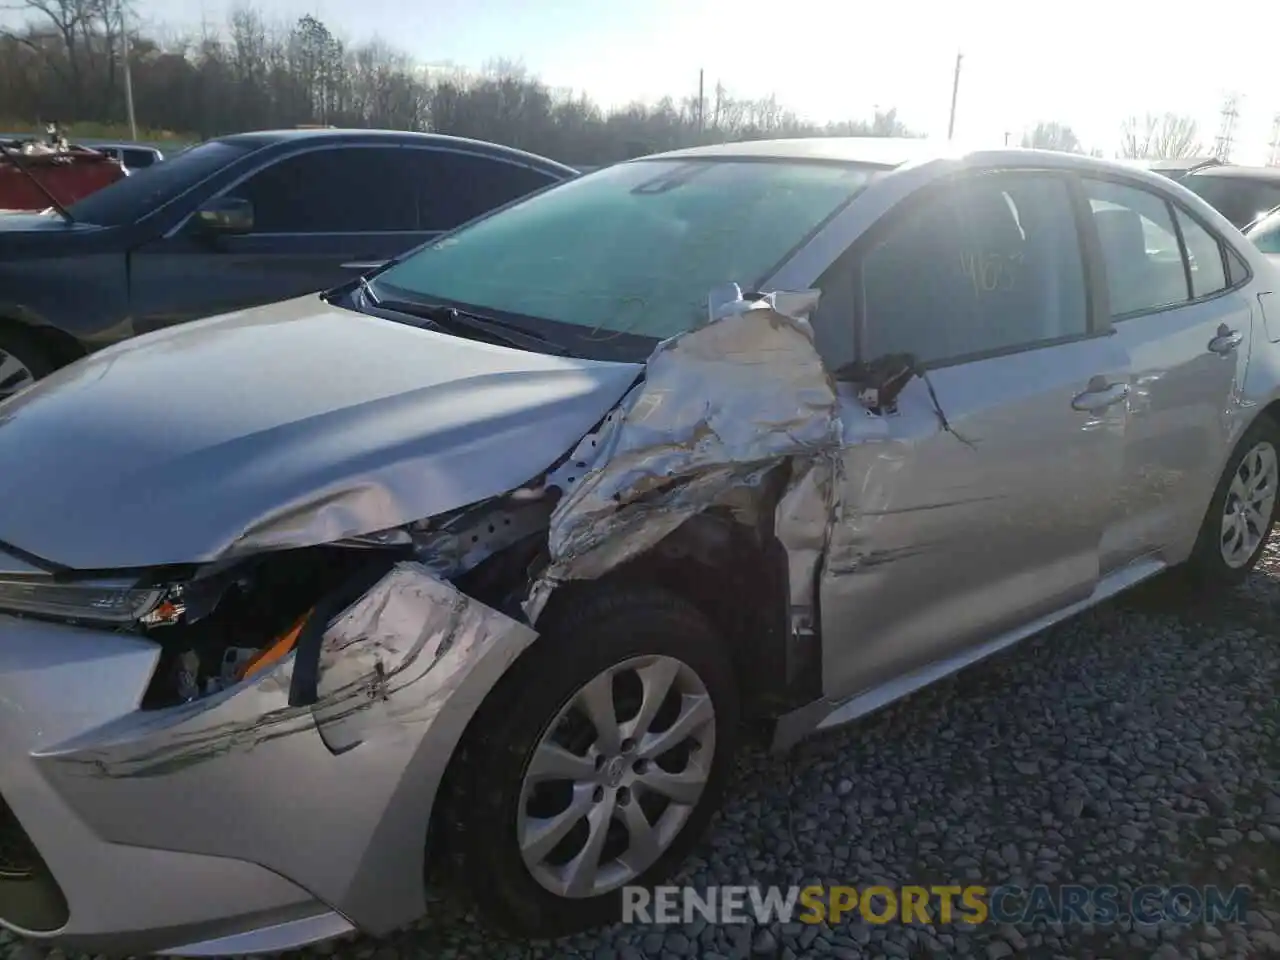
<point>702,105</point>
<point>128,74</point>
<point>1274,159</point>
<point>955,92</point>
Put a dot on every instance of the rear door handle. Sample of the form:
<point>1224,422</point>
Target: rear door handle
<point>363,265</point>
<point>1226,340</point>
<point>1099,396</point>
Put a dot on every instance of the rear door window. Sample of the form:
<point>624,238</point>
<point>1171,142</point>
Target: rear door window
<point>989,265</point>
<point>1140,248</point>
<point>453,187</point>
<point>139,158</point>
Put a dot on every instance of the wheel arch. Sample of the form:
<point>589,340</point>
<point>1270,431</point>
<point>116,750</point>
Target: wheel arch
<point>736,574</point>
<point>59,347</point>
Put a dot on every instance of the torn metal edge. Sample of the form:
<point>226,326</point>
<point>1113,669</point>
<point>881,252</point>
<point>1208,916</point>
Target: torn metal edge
<point>697,427</point>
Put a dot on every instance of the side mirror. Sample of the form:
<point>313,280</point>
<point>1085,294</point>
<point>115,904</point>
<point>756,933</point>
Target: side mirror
<point>225,216</point>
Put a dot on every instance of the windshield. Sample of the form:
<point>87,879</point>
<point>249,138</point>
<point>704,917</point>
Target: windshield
<point>1236,198</point>
<point>1266,234</point>
<point>126,200</point>
<point>632,250</point>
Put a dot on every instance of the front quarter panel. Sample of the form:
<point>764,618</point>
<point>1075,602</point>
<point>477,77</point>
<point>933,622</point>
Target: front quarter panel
<point>334,796</point>
<point>86,295</point>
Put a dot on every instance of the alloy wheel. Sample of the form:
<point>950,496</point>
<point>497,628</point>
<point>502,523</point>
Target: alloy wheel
<point>1251,498</point>
<point>615,776</point>
<point>14,375</point>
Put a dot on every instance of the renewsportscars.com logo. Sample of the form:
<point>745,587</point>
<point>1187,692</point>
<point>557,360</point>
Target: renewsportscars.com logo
<point>1102,904</point>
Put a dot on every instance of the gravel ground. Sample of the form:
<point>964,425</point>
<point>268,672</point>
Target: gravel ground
<point>1137,744</point>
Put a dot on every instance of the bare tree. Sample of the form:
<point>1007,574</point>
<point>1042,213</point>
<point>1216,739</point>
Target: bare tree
<point>254,75</point>
<point>1051,135</point>
<point>66,19</point>
<point>1167,136</point>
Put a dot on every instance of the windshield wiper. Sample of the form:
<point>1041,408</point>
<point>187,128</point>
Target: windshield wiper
<point>449,317</point>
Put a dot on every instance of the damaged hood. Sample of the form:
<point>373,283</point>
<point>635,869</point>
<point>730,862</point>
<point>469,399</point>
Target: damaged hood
<point>289,425</point>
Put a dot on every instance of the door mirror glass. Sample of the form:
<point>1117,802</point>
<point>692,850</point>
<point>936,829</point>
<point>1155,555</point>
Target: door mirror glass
<point>225,216</point>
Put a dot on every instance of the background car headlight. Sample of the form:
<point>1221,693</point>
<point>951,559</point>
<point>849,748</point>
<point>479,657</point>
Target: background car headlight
<point>118,602</point>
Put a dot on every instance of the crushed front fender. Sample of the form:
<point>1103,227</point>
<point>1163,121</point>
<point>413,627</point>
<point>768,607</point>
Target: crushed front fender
<point>334,793</point>
<point>719,407</point>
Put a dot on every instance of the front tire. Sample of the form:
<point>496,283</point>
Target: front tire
<point>1243,510</point>
<point>596,763</point>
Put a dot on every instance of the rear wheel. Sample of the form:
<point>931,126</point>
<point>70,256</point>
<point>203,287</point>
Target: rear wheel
<point>22,362</point>
<point>1242,511</point>
<point>598,762</point>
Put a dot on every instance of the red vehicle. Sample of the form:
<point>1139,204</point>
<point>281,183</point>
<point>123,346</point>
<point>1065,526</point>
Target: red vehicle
<point>35,175</point>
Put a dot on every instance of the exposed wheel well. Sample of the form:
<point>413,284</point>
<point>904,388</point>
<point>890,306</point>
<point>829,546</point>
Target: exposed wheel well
<point>738,579</point>
<point>737,576</point>
<point>59,348</point>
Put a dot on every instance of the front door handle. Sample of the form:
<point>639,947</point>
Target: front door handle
<point>1226,340</point>
<point>1099,396</point>
<point>363,265</point>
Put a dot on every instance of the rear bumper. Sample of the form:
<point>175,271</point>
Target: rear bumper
<point>237,823</point>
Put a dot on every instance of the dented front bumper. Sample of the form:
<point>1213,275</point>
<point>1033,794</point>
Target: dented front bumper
<point>237,815</point>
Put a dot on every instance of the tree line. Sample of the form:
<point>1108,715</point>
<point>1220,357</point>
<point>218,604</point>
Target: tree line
<point>65,65</point>
<point>1167,136</point>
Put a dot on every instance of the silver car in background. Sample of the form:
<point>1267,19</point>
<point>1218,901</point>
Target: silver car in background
<point>1265,235</point>
<point>478,561</point>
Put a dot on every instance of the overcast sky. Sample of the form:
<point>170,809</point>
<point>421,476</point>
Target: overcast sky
<point>1088,64</point>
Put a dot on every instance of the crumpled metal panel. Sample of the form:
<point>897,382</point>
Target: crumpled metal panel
<point>411,626</point>
<point>802,525</point>
<point>719,407</point>
<point>402,424</point>
<point>346,780</point>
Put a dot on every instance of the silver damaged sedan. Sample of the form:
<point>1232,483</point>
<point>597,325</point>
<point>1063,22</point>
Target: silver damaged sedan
<point>471,568</point>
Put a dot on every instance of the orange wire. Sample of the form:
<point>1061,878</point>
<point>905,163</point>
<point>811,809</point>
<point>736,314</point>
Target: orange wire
<point>276,651</point>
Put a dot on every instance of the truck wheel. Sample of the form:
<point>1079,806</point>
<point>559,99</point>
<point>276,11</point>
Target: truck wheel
<point>597,763</point>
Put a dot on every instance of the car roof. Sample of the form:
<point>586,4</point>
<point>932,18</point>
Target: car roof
<point>1181,163</point>
<point>879,151</point>
<point>264,138</point>
<point>892,152</point>
<point>1268,174</point>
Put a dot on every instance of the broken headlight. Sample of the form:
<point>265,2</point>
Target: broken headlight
<point>108,602</point>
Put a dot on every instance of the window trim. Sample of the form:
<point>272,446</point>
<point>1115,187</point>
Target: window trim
<point>1178,213</point>
<point>226,188</point>
<point>1096,324</point>
<point>1183,254</point>
<point>1176,208</point>
<point>334,147</point>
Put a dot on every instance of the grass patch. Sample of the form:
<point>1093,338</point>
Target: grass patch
<point>89,130</point>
